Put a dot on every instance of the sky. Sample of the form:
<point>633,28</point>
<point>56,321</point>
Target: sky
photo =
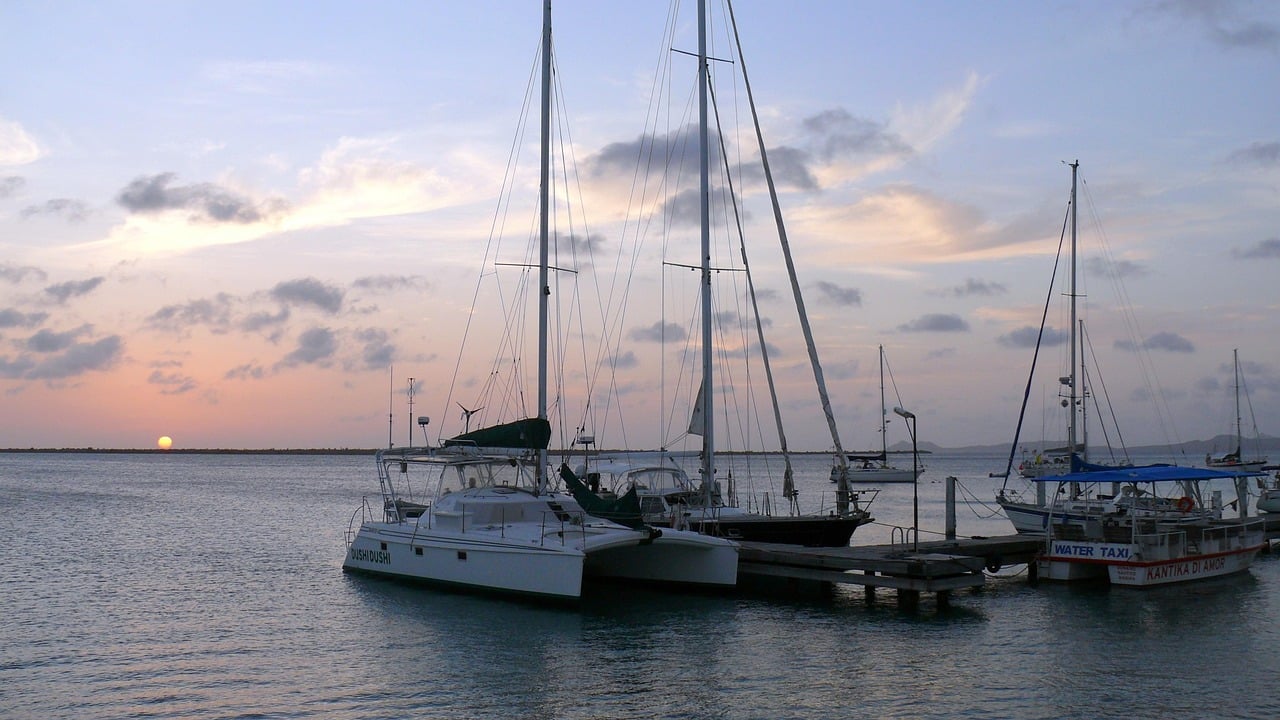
<point>248,224</point>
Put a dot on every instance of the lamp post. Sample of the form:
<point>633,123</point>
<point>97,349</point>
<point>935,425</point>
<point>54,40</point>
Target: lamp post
<point>910,417</point>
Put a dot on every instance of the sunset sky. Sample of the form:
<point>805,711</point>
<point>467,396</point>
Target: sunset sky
<point>248,224</point>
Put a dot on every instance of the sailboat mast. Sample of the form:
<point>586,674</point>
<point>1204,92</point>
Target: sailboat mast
<point>842,462</point>
<point>704,199</point>
<point>1235,364</point>
<point>1071,365</point>
<point>884,416</point>
<point>544,242</point>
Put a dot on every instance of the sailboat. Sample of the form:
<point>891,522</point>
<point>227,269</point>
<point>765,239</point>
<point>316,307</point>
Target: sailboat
<point>1235,459</point>
<point>667,494</point>
<point>480,512</point>
<point>874,467</point>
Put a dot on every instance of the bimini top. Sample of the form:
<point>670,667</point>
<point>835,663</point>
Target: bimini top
<point>1148,474</point>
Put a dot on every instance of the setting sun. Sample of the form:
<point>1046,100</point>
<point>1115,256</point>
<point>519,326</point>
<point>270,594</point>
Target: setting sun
<point>165,442</point>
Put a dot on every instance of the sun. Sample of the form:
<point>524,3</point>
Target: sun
<point>165,442</point>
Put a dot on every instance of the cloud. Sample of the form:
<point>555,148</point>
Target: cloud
<point>245,372</point>
<point>205,201</point>
<point>378,352</point>
<point>63,292</point>
<point>389,283</point>
<point>1167,341</point>
<point>1222,23</point>
<point>1026,337</point>
<point>16,146</point>
<point>1259,153</point>
<point>624,361</point>
<point>309,291</point>
<point>172,383</point>
<point>974,287</point>
<point>48,341</point>
<point>73,360</point>
<point>73,210</point>
<point>836,134</point>
<point>1116,269</point>
<point>10,318</point>
<point>261,320</point>
<point>17,273</point>
<point>1269,248</point>
<point>315,346</point>
<point>9,186</point>
<point>936,322</point>
<point>848,297</point>
<point>215,312</point>
<point>658,332</point>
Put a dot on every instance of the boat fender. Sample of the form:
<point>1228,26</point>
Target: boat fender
<point>1185,504</point>
<point>994,563</point>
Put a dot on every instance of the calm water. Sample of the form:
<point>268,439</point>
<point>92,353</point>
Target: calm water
<point>208,586</point>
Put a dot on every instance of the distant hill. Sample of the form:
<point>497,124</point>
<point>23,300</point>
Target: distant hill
<point>1266,444</point>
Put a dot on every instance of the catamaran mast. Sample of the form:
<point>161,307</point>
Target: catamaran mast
<point>544,243</point>
<point>842,462</point>
<point>704,200</point>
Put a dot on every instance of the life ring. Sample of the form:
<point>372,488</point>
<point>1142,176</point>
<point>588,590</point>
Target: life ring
<point>1185,504</point>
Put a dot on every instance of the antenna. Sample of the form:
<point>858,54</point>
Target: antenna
<point>410,433</point>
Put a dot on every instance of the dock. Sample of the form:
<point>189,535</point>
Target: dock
<point>937,566</point>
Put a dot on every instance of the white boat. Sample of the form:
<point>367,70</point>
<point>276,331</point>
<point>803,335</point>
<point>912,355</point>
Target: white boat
<point>1235,459</point>
<point>480,511</point>
<point>488,523</point>
<point>1143,550</point>
<point>1269,491</point>
<point>874,467</point>
<point>669,497</point>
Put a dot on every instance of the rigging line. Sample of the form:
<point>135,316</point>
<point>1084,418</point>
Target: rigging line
<point>1151,379</point>
<point>1124,448</point>
<point>1026,393</point>
<point>497,225</point>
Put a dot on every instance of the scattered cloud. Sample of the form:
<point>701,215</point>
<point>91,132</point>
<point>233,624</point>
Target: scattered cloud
<point>17,273</point>
<point>1026,337</point>
<point>246,372</point>
<point>1269,248</point>
<point>378,352</point>
<point>214,312</point>
<point>1116,269</point>
<point>206,202</point>
<point>936,322</point>
<point>844,296</point>
<point>73,360</point>
<point>974,287</point>
<point>255,322</point>
<point>389,283</point>
<point>1259,153</point>
<point>17,147</point>
<point>172,383</point>
<point>1167,341</point>
<point>11,318</point>
<point>836,134</point>
<point>65,291</point>
<point>48,341</point>
<point>624,361</point>
<point>315,347</point>
<point>658,332</point>
<point>10,185</point>
<point>309,292</point>
<point>72,210</point>
<point>1225,23</point>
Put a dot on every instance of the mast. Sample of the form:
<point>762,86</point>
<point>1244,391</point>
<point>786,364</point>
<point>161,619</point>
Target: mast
<point>544,242</point>
<point>884,416</point>
<point>704,200</point>
<point>1235,363</point>
<point>842,462</point>
<point>1071,365</point>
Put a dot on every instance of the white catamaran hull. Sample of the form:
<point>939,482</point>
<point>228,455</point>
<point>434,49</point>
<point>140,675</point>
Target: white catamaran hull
<point>474,561</point>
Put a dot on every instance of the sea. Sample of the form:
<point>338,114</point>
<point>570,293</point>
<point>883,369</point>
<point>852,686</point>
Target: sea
<point>174,585</point>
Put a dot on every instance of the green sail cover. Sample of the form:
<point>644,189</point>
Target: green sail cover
<point>624,511</point>
<point>527,434</point>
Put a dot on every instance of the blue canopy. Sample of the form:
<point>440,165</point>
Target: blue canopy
<point>1148,474</point>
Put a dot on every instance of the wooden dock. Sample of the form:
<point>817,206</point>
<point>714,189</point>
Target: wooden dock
<point>937,566</point>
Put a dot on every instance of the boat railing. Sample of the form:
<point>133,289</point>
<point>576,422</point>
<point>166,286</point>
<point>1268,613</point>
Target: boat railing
<point>362,514</point>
